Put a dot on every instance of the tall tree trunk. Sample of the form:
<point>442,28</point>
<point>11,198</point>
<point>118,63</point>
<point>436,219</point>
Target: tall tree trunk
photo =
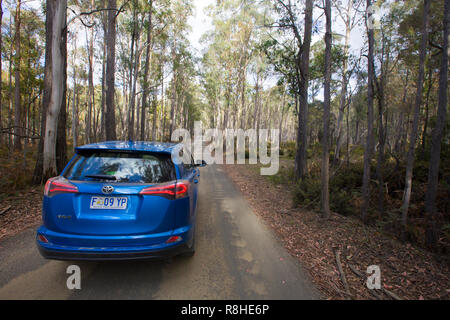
<point>163,105</point>
<point>1,83</point>
<point>146,74</point>
<point>154,108</point>
<point>427,106</point>
<point>17,104</point>
<point>61,138</point>
<point>103,106</point>
<point>10,105</point>
<point>342,102</point>
<point>136,66</point>
<point>91,99</point>
<point>303,81</point>
<point>400,130</point>
<point>38,175</point>
<point>75,98</point>
<point>174,91</point>
<point>415,125</point>
<point>325,194</point>
<point>257,101</point>
<point>370,95</point>
<point>436,140</point>
<point>381,146</point>
<point>382,128</point>
<point>58,9</point>
<point>283,107</point>
<point>347,155</point>
<point>227,104</point>
<point>110,118</point>
<point>132,66</point>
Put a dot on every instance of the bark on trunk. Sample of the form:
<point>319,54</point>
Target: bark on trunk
<point>369,143</point>
<point>38,176</point>
<point>303,81</point>
<point>436,140</point>
<point>427,105</point>
<point>75,100</point>
<point>146,74</point>
<point>174,92</point>
<point>342,102</point>
<point>103,106</point>
<point>91,99</point>
<point>57,86</point>
<point>110,118</point>
<point>61,138</point>
<point>17,104</point>
<point>415,125</point>
<point>1,97</point>
<point>325,195</point>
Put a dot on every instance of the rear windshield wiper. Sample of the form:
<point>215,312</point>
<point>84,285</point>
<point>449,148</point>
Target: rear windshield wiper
<point>100,176</point>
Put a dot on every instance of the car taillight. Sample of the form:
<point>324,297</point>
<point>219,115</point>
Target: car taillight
<point>171,191</point>
<point>173,239</point>
<point>42,238</point>
<point>58,185</point>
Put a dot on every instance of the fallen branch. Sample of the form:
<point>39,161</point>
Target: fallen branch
<point>355,271</point>
<point>341,271</point>
<point>389,293</point>
<point>341,291</point>
<point>4,210</point>
<point>376,295</point>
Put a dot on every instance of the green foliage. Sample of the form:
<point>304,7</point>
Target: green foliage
<point>288,149</point>
<point>344,186</point>
<point>307,193</point>
<point>15,171</point>
<point>317,70</point>
<point>284,176</point>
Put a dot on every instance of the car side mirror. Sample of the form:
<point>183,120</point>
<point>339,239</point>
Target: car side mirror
<point>202,164</point>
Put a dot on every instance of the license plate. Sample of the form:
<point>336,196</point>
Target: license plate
<point>118,203</point>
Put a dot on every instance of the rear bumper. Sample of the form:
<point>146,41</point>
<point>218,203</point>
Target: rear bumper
<point>109,255</point>
<point>76,247</point>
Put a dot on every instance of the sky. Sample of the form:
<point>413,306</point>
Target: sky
<point>199,23</point>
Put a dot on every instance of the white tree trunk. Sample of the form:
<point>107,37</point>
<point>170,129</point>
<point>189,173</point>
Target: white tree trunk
<point>57,66</point>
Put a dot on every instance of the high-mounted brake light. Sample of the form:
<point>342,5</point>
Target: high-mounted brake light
<point>58,185</point>
<point>175,190</point>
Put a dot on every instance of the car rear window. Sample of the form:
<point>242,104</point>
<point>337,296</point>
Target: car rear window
<point>121,167</point>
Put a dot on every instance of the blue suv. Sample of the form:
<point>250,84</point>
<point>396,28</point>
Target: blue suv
<point>121,200</point>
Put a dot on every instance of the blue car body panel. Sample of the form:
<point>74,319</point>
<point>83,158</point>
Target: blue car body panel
<point>74,231</point>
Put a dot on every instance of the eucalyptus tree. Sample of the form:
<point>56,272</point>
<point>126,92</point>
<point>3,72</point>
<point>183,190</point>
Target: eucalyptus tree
<point>417,105</point>
<point>368,148</point>
<point>325,194</point>
<point>148,51</point>
<point>180,11</point>
<point>1,81</point>
<point>295,52</point>
<point>387,50</point>
<point>54,83</point>
<point>350,20</point>
<point>437,136</point>
<point>110,118</point>
<point>17,98</point>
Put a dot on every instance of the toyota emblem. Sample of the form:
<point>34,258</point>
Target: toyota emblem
<point>107,189</point>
